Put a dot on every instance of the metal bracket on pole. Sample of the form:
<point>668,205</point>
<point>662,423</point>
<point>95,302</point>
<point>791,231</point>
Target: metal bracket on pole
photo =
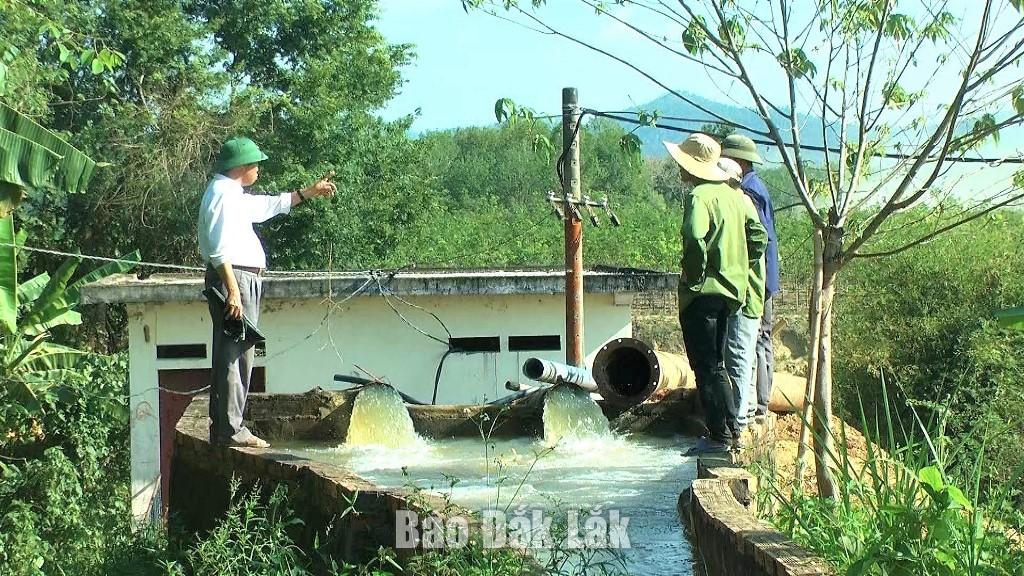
<point>558,206</point>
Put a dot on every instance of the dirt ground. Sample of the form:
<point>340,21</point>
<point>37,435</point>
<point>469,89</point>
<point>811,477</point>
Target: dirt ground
<point>782,456</point>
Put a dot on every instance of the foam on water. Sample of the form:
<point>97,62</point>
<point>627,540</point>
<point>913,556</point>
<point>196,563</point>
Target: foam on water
<point>571,415</point>
<point>381,420</point>
<point>640,476</point>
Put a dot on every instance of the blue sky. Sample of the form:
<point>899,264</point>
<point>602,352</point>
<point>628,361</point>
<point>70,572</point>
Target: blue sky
<point>465,62</point>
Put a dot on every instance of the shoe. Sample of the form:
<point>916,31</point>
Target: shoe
<point>760,418</point>
<point>706,445</point>
<point>252,441</point>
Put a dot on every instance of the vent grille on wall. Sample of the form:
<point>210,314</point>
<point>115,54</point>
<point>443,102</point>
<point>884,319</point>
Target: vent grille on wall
<point>179,351</point>
<point>534,343</point>
<point>476,344</point>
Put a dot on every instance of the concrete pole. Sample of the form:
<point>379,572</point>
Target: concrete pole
<point>573,229</point>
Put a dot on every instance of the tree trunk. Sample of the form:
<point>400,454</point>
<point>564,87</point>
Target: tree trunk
<point>814,330</point>
<point>824,450</point>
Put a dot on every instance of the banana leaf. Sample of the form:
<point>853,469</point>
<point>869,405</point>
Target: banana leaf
<point>8,277</point>
<point>24,395</point>
<point>26,163</point>
<point>54,296</point>
<point>73,168</point>
<point>74,291</point>
<point>49,356</point>
<point>53,318</point>
<point>29,290</point>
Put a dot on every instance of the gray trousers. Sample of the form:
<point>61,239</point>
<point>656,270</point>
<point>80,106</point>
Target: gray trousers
<point>765,358</point>
<point>232,361</point>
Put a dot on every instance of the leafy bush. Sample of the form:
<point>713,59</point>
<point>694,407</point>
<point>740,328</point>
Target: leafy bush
<point>252,538</point>
<point>924,317</point>
<point>64,498</point>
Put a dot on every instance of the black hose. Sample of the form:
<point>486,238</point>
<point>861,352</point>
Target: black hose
<point>504,400</point>
<point>354,379</point>
<point>437,377</point>
<point>360,382</point>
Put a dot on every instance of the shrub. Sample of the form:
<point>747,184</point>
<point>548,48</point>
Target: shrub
<point>924,317</point>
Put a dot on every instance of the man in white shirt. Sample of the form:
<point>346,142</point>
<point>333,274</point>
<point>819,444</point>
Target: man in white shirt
<point>235,262</point>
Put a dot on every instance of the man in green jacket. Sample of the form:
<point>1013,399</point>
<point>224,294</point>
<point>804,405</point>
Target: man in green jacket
<point>720,239</point>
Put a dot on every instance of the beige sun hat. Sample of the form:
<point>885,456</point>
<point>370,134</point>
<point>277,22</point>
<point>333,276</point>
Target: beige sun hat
<point>732,169</point>
<point>698,155</point>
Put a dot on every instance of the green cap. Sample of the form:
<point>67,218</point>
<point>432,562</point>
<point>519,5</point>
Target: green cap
<point>737,146</point>
<point>236,152</point>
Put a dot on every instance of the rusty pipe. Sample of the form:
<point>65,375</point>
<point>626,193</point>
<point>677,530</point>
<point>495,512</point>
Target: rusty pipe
<point>628,371</point>
<point>557,373</point>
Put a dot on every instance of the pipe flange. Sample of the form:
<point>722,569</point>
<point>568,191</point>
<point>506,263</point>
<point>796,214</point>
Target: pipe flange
<point>627,371</point>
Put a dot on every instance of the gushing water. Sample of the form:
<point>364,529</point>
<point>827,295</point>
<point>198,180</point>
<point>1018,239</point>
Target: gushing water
<point>380,418</point>
<point>579,464</point>
<point>570,415</point>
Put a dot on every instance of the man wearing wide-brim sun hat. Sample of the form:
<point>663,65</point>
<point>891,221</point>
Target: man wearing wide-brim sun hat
<point>720,239</point>
<point>235,262</point>
<point>744,151</point>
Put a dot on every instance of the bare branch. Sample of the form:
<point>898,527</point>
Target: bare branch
<point>654,40</point>
<point>940,231</point>
<point>759,102</point>
<point>791,81</point>
<point>943,132</point>
<point>862,118</point>
<point>638,70</point>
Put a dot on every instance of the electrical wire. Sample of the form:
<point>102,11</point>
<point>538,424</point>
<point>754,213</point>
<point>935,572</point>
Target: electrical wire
<point>560,164</point>
<point>178,267</point>
<point>387,300</point>
<point>437,375</point>
<point>102,258</point>
<point>422,309</point>
<point>994,162</point>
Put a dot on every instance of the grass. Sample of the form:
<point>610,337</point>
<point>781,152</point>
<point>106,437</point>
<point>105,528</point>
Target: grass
<point>915,510</point>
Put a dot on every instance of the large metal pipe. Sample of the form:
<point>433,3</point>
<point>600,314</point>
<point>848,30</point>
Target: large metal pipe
<point>628,371</point>
<point>557,373</point>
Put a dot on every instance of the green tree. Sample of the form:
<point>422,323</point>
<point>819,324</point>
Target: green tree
<point>304,78</point>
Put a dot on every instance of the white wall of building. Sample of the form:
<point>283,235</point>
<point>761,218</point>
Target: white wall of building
<point>306,346</point>
<point>144,417</point>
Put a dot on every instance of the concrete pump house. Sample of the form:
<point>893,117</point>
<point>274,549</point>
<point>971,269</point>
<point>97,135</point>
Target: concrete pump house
<point>315,329</point>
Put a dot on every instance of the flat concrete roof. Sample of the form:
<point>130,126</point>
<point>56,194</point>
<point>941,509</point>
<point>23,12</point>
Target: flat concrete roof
<point>188,288</point>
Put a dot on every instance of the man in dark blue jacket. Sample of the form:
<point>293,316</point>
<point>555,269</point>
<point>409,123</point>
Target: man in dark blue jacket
<point>744,151</point>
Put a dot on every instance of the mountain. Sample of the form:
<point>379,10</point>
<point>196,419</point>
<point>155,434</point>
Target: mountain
<point>1011,141</point>
<point>671,105</point>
